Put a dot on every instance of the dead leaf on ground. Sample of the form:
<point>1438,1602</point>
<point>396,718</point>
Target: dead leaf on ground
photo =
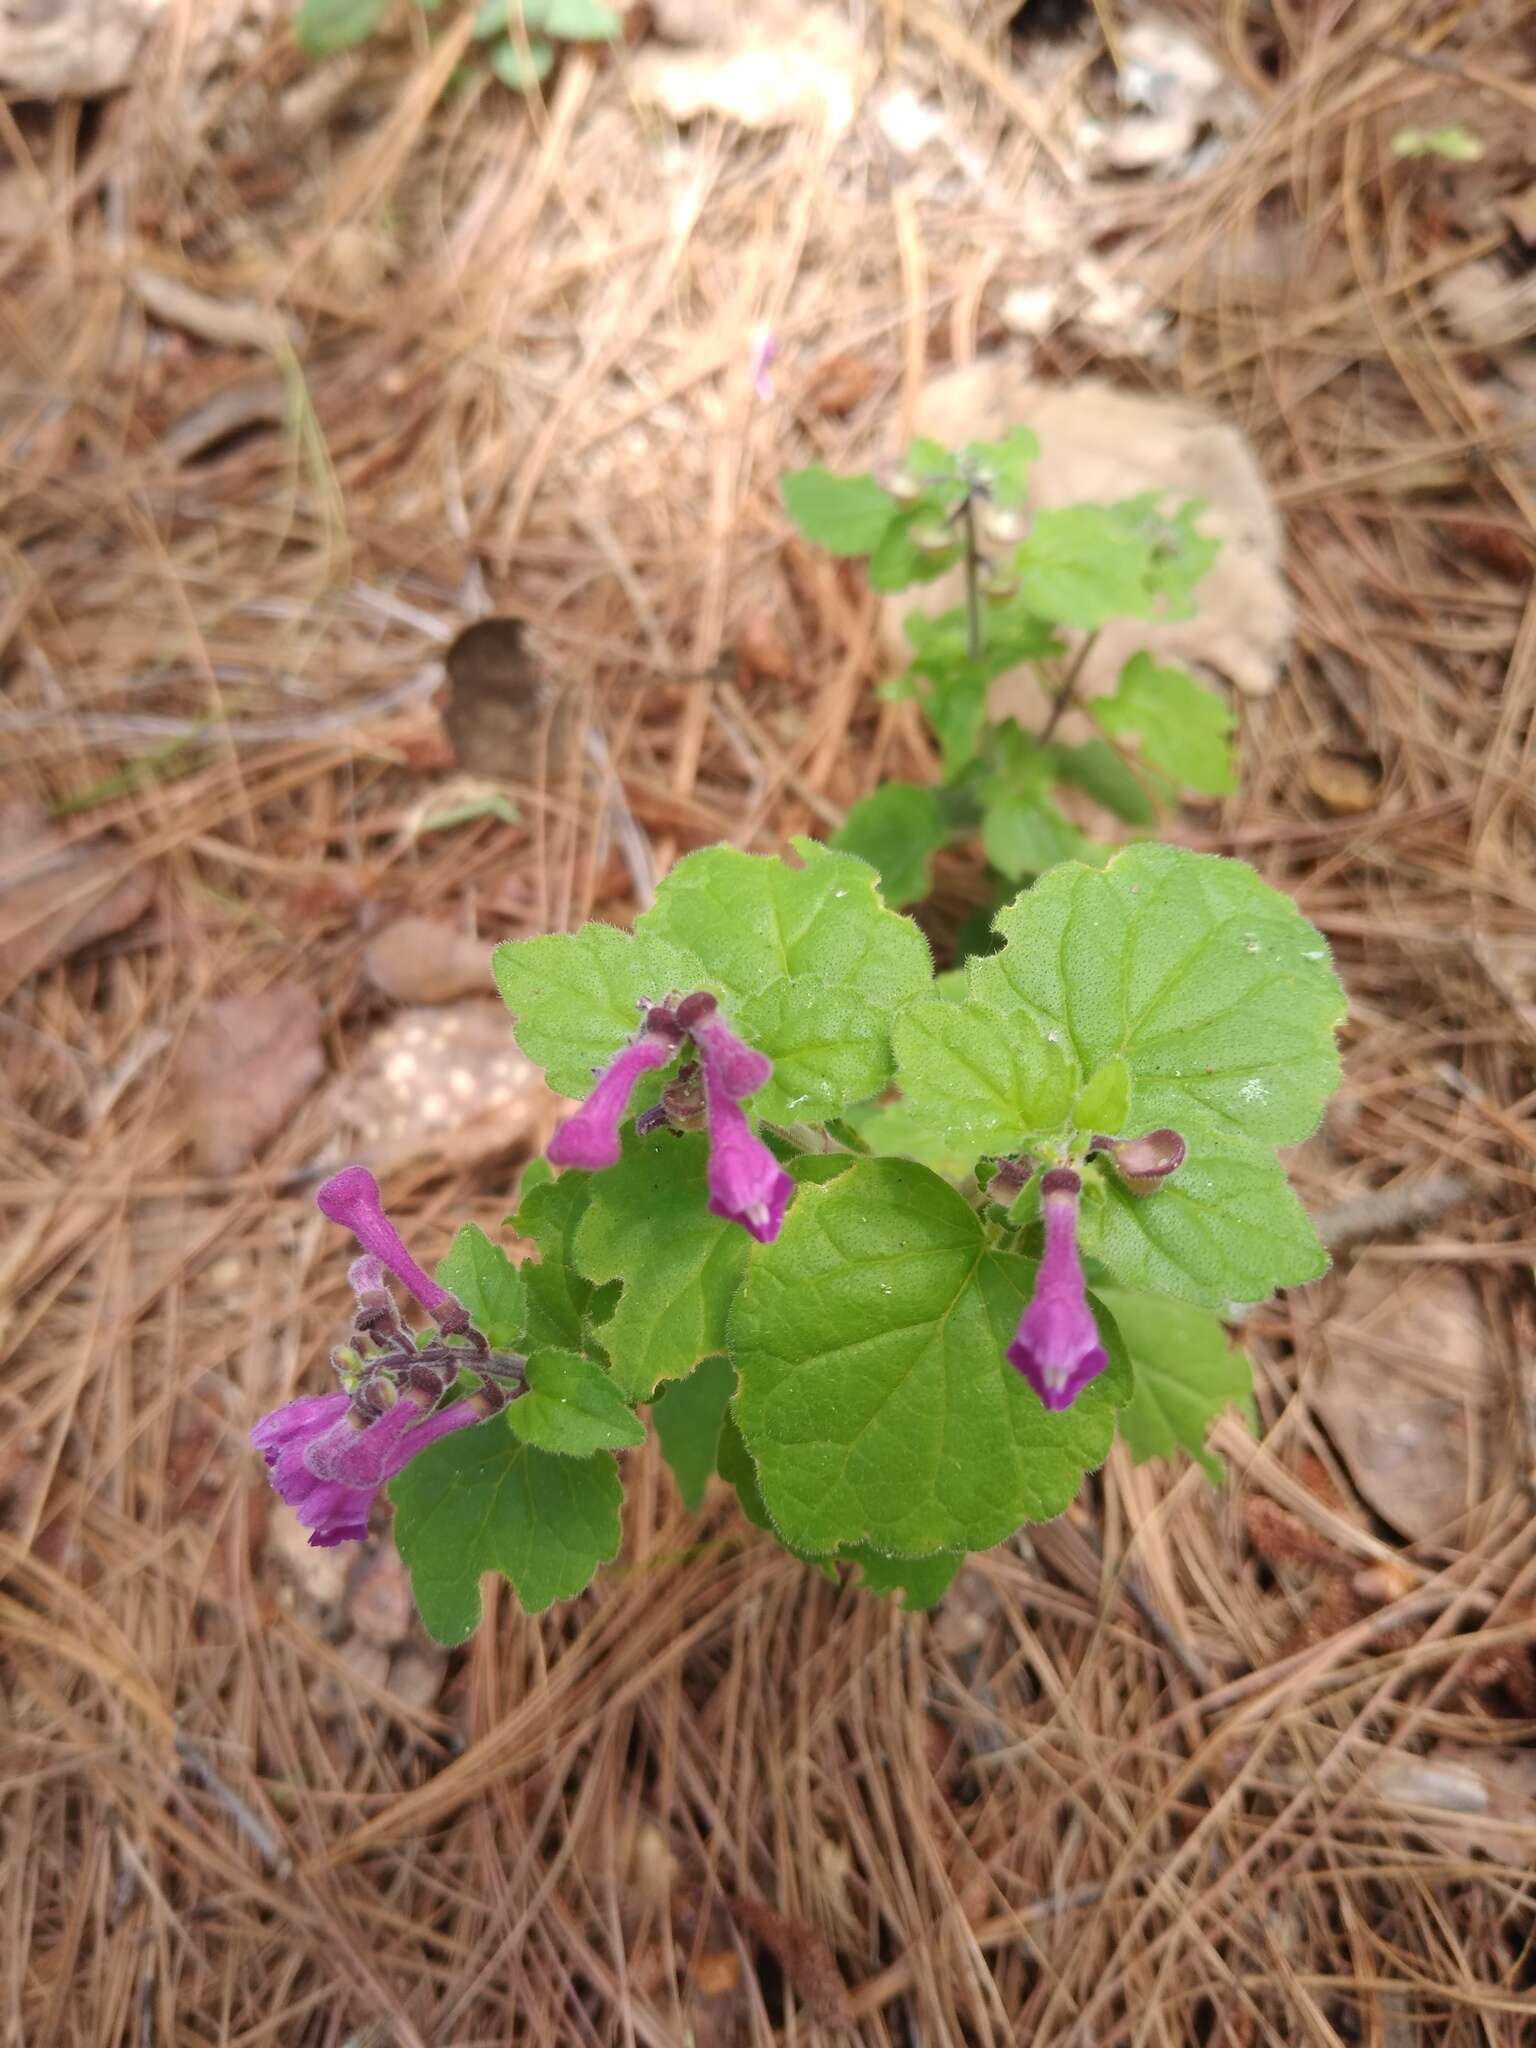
<point>1342,784</point>
<point>765,66</point>
<point>1486,1798</point>
<point>762,646</point>
<point>1172,91</point>
<point>1098,444</point>
<point>717,1972</point>
<point>245,1065</point>
<point>442,1081</point>
<point>73,49</point>
<point>56,899</point>
<point>1519,209</point>
<point>841,382</point>
<point>503,718</point>
<point>1405,1393</point>
<point>422,960</point>
<point>803,1954</point>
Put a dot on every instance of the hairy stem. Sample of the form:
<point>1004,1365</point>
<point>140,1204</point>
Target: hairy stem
<point>972,579</point>
<point>1064,694</point>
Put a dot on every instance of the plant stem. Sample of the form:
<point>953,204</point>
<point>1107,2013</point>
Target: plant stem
<point>972,580</point>
<point>1064,695</point>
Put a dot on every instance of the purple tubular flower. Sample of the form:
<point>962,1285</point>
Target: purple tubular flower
<point>328,1470</point>
<point>1057,1347</point>
<point>737,1068</point>
<point>351,1198</point>
<point>747,1185</point>
<point>590,1139</point>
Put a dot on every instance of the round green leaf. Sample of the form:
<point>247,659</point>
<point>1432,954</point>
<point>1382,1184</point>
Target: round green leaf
<point>874,1396</point>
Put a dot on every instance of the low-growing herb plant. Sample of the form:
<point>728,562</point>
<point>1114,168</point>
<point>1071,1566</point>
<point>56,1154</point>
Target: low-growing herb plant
<point>892,1361</point>
<point>521,38</point>
<point>1029,579</point>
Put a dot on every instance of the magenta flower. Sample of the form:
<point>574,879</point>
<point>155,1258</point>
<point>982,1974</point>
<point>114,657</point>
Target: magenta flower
<point>352,1199</point>
<point>590,1139</point>
<point>1057,1347</point>
<point>328,1468</point>
<point>747,1185</point>
<point>736,1067</point>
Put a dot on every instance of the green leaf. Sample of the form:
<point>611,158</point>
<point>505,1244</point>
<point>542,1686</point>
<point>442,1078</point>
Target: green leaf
<point>1024,835</point>
<point>562,1304</point>
<point>1457,145</point>
<point>491,18</point>
<point>1083,565</point>
<point>896,561</point>
<point>736,1468</point>
<point>1213,988</point>
<point>956,707</point>
<point>1104,1101</point>
<point>1096,768</point>
<point>1183,729</point>
<point>894,1130</point>
<point>324,26</point>
<point>874,1396</point>
<point>846,515</point>
<point>930,462</point>
<point>983,1081</point>
<point>481,1501</point>
<point>580,21</point>
<point>897,830</point>
<point>1181,555</point>
<point>1186,1374</point>
<point>576,996</point>
<point>480,1276</point>
<point>1008,462</point>
<point>922,1580</point>
<point>648,1224</point>
<point>572,1408</point>
<point>522,67</point>
<point>688,1415</point>
<point>829,1047</point>
<point>755,919</point>
<point>1224,1229</point>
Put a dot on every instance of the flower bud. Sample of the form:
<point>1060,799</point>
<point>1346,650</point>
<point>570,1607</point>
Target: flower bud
<point>1145,1163</point>
<point>1005,524</point>
<point>931,540</point>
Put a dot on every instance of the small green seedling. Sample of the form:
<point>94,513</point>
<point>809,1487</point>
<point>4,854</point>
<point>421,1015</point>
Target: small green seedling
<point>1038,590</point>
<point>521,37</point>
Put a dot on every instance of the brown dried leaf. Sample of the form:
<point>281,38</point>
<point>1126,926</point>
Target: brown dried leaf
<point>1486,1797</point>
<point>717,1972</point>
<point>245,1065</point>
<point>421,960</point>
<point>1519,209</point>
<point>762,646</point>
<point>1343,785</point>
<point>55,898</point>
<point>767,66</point>
<point>1405,1391</point>
<point>448,1080</point>
<point>841,382</point>
<point>503,718</point>
<point>803,1954</point>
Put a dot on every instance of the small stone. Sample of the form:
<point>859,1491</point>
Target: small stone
<point>421,960</point>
